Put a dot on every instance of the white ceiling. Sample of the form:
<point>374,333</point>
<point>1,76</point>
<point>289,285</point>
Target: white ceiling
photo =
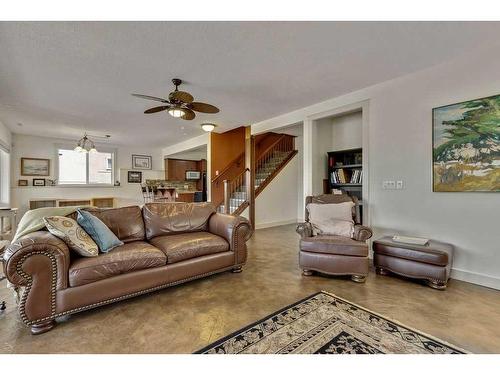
<point>61,78</point>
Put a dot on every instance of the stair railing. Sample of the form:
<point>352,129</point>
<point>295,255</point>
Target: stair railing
<point>237,184</point>
<point>283,144</point>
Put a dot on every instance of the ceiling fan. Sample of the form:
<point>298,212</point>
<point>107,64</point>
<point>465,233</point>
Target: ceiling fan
<point>180,104</point>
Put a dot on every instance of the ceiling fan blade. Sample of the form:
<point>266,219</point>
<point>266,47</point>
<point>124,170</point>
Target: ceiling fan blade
<point>150,98</point>
<point>181,96</point>
<point>203,107</point>
<point>189,114</point>
<point>157,109</point>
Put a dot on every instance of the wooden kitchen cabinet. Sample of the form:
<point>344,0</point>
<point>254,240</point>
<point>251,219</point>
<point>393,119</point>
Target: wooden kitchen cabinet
<point>185,197</point>
<point>175,169</point>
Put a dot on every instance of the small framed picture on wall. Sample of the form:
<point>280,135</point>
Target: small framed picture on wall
<point>134,177</point>
<point>141,162</point>
<point>39,182</point>
<point>22,182</point>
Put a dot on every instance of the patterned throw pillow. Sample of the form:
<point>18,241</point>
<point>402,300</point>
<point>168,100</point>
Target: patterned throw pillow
<point>72,234</point>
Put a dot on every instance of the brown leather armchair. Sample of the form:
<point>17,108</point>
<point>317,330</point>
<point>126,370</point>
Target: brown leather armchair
<point>334,255</point>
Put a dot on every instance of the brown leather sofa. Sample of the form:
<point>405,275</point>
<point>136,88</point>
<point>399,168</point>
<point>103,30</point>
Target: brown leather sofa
<point>165,244</point>
<point>334,255</point>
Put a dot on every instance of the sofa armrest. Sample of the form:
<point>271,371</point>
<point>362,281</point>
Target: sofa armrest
<point>362,233</point>
<point>39,262</point>
<point>304,229</point>
<point>234,229</point>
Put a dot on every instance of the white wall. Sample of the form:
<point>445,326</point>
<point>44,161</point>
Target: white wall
<point>347,132</point>
<point>196,154</point>
<point>277,204</point>
<point>5,146</point>
<point>41,147</point>
<point>333,133</point>
<point>399,140</point>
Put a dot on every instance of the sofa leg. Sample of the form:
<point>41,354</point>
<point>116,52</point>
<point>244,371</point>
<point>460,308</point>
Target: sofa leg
<point>237,269</point>
<point>307,272</point>
<point>358,279</point>
<point>439,285</point>
<point>381,271</point>
<point>37,329</point>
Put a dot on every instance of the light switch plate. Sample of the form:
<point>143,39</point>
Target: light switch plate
<point>399,185</point>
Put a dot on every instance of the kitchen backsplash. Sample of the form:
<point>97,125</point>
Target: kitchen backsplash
<point>178,185</point>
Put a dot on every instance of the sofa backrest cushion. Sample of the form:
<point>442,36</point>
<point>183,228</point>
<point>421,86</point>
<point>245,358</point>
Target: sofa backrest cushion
<point>177,217</point>
<point>125,222</point>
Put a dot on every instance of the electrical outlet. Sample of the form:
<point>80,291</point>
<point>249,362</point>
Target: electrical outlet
<point>399,185</point>
<point>388,185</point>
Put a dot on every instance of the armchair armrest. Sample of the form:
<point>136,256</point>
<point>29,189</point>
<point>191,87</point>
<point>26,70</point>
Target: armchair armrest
<point>234,229</point>
<point>39,262</point>
<point>362,233</point>
<point>304,229</point>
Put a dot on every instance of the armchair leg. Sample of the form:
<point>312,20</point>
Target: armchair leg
<point>439,285</point>
<point>237,269</point>
<point>37,329</point>
<point>307,272</point>
<point>358,279</point>
<point>381,271</point>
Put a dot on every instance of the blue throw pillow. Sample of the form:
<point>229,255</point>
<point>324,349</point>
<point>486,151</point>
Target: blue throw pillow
<point>100,233</point>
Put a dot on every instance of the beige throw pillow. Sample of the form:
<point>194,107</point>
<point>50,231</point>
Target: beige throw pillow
<point>72,234</point>
<point>331,219</point>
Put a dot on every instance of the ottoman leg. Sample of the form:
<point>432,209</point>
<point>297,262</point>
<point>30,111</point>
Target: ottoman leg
<point>307,272</point>
<point>358,278</point>
<point>381,271</point>
<point>439,285</point>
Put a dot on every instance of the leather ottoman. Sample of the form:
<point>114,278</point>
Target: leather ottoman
<point>431,262</point>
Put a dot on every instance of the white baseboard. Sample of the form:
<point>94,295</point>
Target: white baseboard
<point>476,278</point>
<point>274,224</point>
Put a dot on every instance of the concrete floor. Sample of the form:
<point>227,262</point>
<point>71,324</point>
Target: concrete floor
<point>187,317</point>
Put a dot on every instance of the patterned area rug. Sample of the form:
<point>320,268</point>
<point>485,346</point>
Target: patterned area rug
<point>326,324</point>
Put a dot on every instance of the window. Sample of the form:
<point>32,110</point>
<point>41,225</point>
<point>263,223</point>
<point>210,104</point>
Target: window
<point>77,168</point>
<point>4,178</point>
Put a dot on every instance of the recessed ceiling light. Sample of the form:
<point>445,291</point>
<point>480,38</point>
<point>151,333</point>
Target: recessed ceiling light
<point>208,127</point>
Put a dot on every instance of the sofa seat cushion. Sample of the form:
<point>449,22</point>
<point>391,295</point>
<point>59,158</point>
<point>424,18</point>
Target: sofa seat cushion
<point>337,245</point>
<point>132,256</point>
<point>179,247</point>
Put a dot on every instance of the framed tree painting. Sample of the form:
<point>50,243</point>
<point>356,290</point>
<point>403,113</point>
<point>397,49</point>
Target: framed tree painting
<point>466,146</point>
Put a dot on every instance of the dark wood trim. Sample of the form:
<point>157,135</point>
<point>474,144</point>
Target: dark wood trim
<point>229,166</point>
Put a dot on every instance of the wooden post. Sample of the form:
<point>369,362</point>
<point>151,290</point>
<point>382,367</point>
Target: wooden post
<point>250,165</point>
<point>226,197</point>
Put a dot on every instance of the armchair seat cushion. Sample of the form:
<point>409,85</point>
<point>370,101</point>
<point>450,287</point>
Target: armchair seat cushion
<point>179,247</point>
<point>337,245</point>
<point>132,256</point>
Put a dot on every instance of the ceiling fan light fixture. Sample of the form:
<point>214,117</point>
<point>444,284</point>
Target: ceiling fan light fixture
<point>208,127</point>
<point>176,112</point>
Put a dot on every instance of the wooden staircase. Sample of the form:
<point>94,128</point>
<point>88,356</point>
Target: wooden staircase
<point>272,152</point>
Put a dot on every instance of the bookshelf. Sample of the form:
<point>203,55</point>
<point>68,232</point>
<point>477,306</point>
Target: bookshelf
<point>345,171</point>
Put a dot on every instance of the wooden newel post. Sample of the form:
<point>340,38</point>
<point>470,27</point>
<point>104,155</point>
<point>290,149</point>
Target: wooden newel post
<point>226,197</point>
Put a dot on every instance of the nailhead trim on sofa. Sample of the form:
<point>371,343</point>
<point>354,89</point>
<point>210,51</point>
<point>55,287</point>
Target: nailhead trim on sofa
<point>52,258</point>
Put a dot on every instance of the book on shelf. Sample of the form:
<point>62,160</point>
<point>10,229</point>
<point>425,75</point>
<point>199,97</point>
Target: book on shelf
<point>340,176</point>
